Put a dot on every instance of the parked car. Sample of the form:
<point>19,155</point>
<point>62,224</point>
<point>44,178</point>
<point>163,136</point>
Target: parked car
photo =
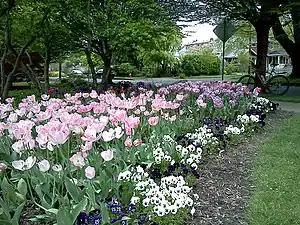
<point>76,71</point>
<point>100,71</point>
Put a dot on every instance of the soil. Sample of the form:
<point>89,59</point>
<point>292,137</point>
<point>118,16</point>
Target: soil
<point>226,180</point>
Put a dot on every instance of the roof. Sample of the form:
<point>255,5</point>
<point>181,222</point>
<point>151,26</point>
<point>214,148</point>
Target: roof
<point>277,52</point>
<point>234,54</point>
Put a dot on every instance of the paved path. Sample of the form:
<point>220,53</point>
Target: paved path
<point>170,80</point>
<point>289,106</point>
<point>163,80</point>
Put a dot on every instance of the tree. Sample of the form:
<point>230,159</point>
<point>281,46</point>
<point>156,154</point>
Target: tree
<point>260,13</point>
<point>118,28</point>
<point>290,44</point>
<point>162,56</point>
<point>21,29</point>
<point>202,62</point>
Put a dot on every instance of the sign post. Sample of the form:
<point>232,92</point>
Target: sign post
<point>224,31</point>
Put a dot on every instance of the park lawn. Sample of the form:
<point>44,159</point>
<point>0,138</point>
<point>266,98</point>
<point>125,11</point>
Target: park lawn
<point>276,198</point>
<point>20,94</point>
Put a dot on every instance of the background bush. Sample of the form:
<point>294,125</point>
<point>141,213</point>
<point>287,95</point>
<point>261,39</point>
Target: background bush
<point>200,63</point>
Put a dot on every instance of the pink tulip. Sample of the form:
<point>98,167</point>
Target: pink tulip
<point>107,155</point>
<point>128,142</point>
<point>87,146</point>
<point>78,160</point>
<point>90,134</point>
<point>13,117</point>
<point>45,97</point>
<point>90,172</point>
<point>24,165</point>
<point>137,142</point>
<point>172,118</point>
<point>108,135</point>
<point>85,95</point>
<point>44,165</point>
<point>153,120</point>
<point>10,100</point>
<point>179,97</point>
<point>142,108</point>
<point>132,122</point>
<point>18,146</point>
<point>93,94</point>
<point>3,167</point>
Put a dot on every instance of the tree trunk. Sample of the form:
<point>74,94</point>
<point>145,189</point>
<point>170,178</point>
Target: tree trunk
<point>30,73</point>
<point>2,80</point>
<point>262,34</point>
<point>59,71</point>
<point>107,75</point>
<point>5,90</point>
<point>46,70</point>
<point>88,54</point>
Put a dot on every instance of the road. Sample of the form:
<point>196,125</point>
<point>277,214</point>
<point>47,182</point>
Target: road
<point>164,80</point>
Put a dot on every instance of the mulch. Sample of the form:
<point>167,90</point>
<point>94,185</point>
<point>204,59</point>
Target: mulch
<point>226,180</point>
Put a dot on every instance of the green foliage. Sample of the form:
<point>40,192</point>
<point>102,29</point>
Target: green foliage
<point>56,74</point>
<point>243,62</point>
<point>124,69</point>
<point>200,63</point>
<point>182,76</point>
<point>230,68</point>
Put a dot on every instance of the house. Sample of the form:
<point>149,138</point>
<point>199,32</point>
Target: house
<point>194,46</point>
<point>277,57</point>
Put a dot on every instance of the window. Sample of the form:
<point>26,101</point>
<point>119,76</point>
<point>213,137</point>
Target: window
<point>282,60</point>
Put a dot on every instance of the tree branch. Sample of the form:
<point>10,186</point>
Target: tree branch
<point>281,36</point>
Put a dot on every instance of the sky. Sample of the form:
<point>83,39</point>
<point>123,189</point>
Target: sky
<point>202,32</point>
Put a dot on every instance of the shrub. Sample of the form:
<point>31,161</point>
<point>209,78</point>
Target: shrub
<point>200,63</point>
<point>182,76</point>
<point>231,68</point>
<point>56,74</point>
<point>124,69</point>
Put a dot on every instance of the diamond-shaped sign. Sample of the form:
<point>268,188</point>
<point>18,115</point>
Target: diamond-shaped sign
<point>224,30</point>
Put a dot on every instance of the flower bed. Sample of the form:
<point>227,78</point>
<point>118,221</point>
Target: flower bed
<point>131,158</point>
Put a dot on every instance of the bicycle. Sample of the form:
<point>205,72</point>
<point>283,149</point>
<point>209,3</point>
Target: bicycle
<point>275,83</point>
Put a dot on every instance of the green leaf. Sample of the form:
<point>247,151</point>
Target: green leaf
<point>72,189</point>
<point>47,201</point>
<point>20,197</point>
<point>17,214</point>
<point>5,157</point>
<point>5,209</point>
<point>22,187</point>
<point>78,208</point>
<point>91,193</point>
<point>5,222</point>
<point>52,210</point>
<point>38,190</point>
<point>104,213</point>
<point>64,217</point>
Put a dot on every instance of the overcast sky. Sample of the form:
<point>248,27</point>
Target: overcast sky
<point>203,32</point>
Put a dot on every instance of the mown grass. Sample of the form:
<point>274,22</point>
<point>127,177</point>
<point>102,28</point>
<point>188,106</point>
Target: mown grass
<point>276,199</point>
<point>20,94</point>
<point>283,98</point>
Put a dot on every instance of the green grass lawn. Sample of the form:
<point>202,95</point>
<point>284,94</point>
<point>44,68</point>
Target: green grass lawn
<point>276,198</point>
<point>283,98</point>
<point>20,94</point>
